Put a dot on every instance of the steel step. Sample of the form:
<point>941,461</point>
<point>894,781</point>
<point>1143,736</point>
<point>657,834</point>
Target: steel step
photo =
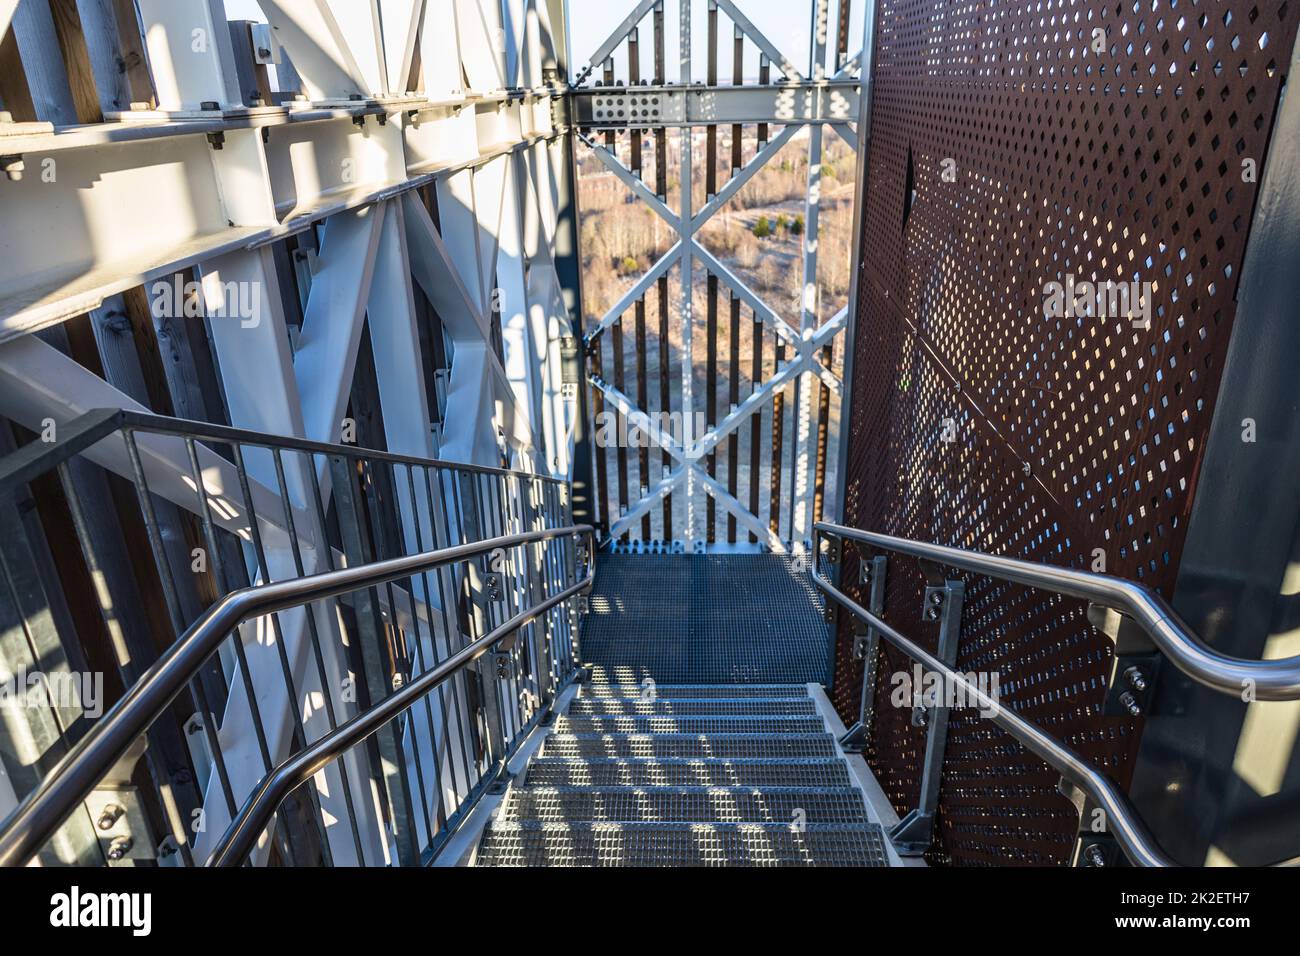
<point>674,844</point>
<point>688,745</point>
<point>671,724</point>
<point>697,691</point>
<point>786,805</point>
<point>693,706</point>
<point>685,772</point>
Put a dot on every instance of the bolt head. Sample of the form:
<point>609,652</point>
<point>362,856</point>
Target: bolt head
<point>1136,679</point>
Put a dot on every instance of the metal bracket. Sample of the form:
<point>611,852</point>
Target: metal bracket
<point>1135,665</point>
<point>120,822</point>
<point>857,739</point>
<point>866,642</point>
<point>1095,846</point>
<point>913,834</point>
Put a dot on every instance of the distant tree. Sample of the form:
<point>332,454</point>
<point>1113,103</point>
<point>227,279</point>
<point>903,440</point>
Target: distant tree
<point>762,228</point>
<point>782,222</point>
<point>796,227</point>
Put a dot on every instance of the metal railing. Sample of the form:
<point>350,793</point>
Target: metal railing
<point>1266,679</point>
<point>1274,680</point>
<point>121,533</point>
<point>42,812</point>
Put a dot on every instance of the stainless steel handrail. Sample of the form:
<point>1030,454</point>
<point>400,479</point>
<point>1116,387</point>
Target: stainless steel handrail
<point>253,817</point>
<point>68,784</point>
<point>1122,819</point>
<point>1267,680</point>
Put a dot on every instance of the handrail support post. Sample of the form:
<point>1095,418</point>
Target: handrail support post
<point>912,835</point>
<point>872,574</point>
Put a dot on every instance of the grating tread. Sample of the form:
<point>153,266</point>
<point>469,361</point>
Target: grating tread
<point>697,707</point>
<point>689,745</point>
<point>714,618</point>
<point>651,844</point>
<point>681,772</point>
<point>623,691</point>
<point>671,724</point>
<point>684,805</point>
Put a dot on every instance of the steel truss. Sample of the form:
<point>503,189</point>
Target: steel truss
<point>819,99</point>
<point>204,180</point>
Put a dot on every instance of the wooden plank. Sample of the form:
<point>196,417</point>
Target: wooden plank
<point>755,421</point>
<point>733,399</point>
<point>665,344</point>
<point>135,65</point>
<point>823,424</point>
<point>642,391</point>
<point>778,427</point>
<point>616,342</point>
<point>15,97</point>
<point>42,60</point>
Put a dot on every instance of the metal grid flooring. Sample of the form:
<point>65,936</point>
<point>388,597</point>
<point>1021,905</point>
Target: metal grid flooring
<point>689,745</point>
<point>685,805</point>
<point>671,844</point>
<point>705,618</point>
<point>715,706</point>
<point>716,778</point>
<point>682,772</point>
<point>673,724</point>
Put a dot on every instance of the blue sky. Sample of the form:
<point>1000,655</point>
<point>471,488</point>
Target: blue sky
<point>784,22</point>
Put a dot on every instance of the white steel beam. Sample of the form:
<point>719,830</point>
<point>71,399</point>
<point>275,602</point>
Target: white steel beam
<point>190,55</point>
<point>318,47</point>
<point>331,328</point>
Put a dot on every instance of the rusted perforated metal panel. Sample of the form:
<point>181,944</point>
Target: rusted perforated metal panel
<point>1073,436</point>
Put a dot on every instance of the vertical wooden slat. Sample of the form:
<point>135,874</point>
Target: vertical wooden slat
<point>778,427</point>
<point>665,345</point>
<point>131,44</point>
<point>733,399</point>
<point>733,440</point>
<point>15,95</point>
<point>842,34</point>
<point>611,140</point>
<point>642,392</point>
<point>711,368</point>
<point>76,61</point>
<point>764,78</point>
<point>599,448</point>
<point>823,424</point>
<point>756,422</point>
<point>616,342</point>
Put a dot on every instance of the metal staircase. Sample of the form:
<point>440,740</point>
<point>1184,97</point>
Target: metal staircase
<point>686,775</point>
<point>656,762</point>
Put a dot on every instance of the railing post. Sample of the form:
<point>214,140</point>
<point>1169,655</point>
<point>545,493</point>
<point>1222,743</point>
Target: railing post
<point>379,673</point>
<point>866,647</point>
<point>942,603</point>
<point>535,520</point>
